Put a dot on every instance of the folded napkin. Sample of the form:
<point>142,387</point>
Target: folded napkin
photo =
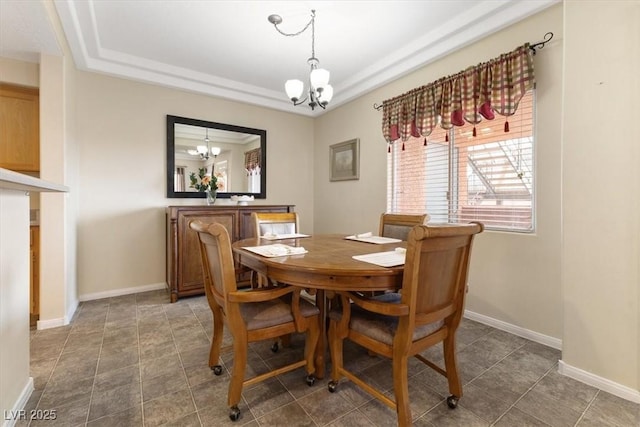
<point>360,236</point>
<point>270,235</point>
<point>281,250</point>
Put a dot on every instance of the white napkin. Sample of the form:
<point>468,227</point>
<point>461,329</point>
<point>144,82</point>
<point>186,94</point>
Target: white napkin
<point>281,250</point>
<point>270,236</point>
<point>401,250</point>
<point>360,236</point>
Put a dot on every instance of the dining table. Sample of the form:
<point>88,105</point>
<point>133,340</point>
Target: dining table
<point>323,264</point>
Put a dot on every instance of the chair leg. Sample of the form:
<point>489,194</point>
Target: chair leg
<point>401,390</point>
<point>240,347</point>
<point>451,365</point>
<point>216,342</point>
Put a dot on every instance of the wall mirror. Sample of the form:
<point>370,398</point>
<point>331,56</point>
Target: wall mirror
<point>236,155</point>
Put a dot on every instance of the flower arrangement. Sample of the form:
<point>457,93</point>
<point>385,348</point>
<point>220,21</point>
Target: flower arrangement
<point>207,182</point>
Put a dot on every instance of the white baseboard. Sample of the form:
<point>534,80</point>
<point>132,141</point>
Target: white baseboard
<point>604,384</point>
<point>123,291</point>
<point>16,413</point>
<point>72,310</point>
<point>52,323</point>
<point>588,378</point>
<point>515,330</point>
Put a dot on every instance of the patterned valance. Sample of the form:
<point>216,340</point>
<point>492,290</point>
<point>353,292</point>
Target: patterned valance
<point>252,160</point>
<point>478,92</point>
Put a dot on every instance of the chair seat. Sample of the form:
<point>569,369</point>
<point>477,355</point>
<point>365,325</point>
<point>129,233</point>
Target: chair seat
<point>378,326</point>
<point>271,313</point>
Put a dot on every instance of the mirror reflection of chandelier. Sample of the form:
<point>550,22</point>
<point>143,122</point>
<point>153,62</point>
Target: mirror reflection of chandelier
<point>320,91</point>
<point>204,150</point>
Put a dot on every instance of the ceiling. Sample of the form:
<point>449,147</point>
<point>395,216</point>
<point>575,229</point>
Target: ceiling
<point>228,49</point>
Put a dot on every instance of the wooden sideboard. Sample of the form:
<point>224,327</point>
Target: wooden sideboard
<point>184,266</point>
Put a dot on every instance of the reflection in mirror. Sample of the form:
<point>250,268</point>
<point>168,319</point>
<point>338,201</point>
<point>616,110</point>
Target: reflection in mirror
<point>235,155</point>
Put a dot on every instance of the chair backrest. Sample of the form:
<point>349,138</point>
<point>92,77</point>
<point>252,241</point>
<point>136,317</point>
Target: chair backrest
<point>274,223</point>
<point>217,261</point>
<point>435,273</point>
<point>398,226</point>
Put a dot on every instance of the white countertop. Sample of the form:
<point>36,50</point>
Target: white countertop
<point>18,181</point>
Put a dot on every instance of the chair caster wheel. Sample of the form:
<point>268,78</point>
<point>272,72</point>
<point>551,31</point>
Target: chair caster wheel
<point>311,380</point>
<point>452,402</point>
<point>217,369</point>
<point>332,386</point>
<point>274,347</point>
<point>234,414</point>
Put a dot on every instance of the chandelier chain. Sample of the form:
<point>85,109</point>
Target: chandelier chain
<point>311,21</point>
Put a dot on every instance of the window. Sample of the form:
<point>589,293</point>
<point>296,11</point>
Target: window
<point>178,179</point>
<point>459,177</point>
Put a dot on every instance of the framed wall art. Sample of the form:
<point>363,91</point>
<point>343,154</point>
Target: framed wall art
<point>344,160</point>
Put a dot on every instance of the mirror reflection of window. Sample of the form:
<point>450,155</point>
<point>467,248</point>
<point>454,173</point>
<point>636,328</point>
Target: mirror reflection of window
<point>222,176</point>
<point>179,182</point>
<point>253,167</point>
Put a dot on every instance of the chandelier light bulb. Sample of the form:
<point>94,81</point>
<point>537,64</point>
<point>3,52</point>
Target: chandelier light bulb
<point>202,149</point>
<point>294,89</point>
<point>326,95</point>
<point>319,78</point>
<point>215,151</point>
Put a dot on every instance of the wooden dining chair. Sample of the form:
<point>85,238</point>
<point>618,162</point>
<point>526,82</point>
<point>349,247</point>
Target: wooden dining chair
<point>426,311</point>
<point>250,315</point>
<point>398,226</point>
<point>265,223</point>
<point>275,223</point>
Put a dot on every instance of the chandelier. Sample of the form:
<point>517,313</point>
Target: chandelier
<point>320,91</point>
<point>204,150</point>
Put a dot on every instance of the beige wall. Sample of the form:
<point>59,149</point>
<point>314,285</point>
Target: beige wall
<point>19,72</point>
<point>121,131</point>
<point>601,190</point>
<point>53,226</point>
<point>515,277</point>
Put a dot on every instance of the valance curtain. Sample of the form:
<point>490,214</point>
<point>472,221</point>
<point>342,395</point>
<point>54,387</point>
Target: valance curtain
<point>253,167</point>
<point>478,92</point>
<point>252,159</point>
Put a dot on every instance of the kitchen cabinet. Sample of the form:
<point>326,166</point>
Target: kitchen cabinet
<point>19,128</point>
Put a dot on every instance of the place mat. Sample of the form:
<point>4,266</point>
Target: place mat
<point>271,236</point>
<point>369,238</point>
<point>384,259</point>
<point>276,250</point>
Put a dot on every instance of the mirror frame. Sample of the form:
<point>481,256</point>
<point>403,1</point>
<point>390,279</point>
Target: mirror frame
<point>171,157</point>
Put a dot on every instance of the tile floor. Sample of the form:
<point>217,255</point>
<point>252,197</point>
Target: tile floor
<point>138,360</point>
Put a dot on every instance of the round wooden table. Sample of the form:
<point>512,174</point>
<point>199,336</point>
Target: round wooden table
<point>327,266</point>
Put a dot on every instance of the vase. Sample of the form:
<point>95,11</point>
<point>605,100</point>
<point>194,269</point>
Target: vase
<point>211,196</point>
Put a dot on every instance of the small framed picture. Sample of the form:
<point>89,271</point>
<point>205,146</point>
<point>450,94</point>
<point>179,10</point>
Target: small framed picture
<point>344,159</point>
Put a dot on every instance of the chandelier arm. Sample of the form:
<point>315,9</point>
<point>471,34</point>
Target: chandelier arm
<point>302,101</point>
